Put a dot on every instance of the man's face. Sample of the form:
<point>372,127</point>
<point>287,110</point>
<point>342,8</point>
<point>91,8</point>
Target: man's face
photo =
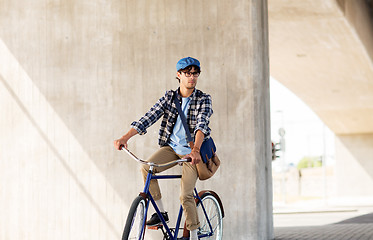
<point>188,79</point>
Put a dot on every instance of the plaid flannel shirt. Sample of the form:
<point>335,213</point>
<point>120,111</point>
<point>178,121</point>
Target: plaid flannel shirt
<point>198,118</point>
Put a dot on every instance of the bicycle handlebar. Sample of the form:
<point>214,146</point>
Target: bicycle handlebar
<point>154,164</point>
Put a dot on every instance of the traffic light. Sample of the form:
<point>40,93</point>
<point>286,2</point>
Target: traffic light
<point>275,149</point>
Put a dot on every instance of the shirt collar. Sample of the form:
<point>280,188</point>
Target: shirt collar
<point>191,96</point>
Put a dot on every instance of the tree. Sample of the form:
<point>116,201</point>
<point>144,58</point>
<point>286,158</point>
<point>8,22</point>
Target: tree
<point>309,162</point>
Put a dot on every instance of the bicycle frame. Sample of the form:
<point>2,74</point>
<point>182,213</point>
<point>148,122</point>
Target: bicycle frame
<point>150,176</point>
<point>148,195</point>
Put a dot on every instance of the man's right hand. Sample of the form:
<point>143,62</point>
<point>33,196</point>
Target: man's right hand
<point>122,142</point>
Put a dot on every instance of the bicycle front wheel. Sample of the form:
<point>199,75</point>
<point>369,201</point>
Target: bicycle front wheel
<point>211,217</point>
<point>134,224</point>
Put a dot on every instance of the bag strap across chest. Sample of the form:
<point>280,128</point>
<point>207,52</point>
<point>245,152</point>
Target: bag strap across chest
<point>184,121</point>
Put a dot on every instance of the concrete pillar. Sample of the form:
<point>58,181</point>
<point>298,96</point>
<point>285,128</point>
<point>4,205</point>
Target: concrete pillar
<point>75,74</point>
<point>354,165</point>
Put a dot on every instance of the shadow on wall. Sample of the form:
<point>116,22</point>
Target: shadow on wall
<point>12,74</point>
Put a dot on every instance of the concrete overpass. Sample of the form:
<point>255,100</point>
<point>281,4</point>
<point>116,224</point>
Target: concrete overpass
<point>323,52</point>
<point>74,74</point>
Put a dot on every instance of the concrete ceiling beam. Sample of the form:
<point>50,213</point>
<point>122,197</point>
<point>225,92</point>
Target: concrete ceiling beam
<point>322,50</point>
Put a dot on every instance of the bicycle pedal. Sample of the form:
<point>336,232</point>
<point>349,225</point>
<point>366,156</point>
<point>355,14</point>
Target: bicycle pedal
<point>156,227</point>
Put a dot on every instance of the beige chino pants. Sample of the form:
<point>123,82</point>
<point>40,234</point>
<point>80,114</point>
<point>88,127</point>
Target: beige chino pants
<point>188,182</point>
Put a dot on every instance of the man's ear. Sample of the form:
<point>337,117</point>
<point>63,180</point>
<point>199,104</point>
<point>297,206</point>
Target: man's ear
<point>178,74</point>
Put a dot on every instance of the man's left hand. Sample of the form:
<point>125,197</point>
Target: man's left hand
<point>195,156</point>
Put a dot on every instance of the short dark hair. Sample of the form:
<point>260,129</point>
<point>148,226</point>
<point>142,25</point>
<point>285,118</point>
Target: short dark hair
<point>188,69</point>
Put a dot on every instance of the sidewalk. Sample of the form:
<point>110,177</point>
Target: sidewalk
<point>352,231</point>
<point>340,219</point>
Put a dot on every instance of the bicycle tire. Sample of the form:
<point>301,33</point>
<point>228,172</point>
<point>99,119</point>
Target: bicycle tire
<point>214,212</point>
<point>135,219</point>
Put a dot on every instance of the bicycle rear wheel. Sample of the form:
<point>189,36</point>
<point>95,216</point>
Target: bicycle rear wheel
<point>135,219</point>
<point>212,229</point>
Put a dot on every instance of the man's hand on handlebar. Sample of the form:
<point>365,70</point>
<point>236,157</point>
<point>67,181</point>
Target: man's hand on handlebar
<point>195,156</point>
<point>121,142</point>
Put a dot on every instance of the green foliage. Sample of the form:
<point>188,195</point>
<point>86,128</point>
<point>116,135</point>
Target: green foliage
<point>309,162</point>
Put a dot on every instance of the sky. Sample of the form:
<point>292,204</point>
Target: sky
<point>305,134</point>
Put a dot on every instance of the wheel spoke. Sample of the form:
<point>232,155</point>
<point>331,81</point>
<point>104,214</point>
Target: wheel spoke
<point>214,215</point>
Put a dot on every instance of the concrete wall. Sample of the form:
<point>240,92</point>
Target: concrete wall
<point>355,165</point>
<point>75,74</point>
<point>307,183</point>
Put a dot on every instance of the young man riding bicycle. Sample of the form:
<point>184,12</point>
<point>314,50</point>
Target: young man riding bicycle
<point>197,106</point>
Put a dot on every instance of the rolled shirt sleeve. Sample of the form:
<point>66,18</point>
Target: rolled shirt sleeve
<point>150,117</point>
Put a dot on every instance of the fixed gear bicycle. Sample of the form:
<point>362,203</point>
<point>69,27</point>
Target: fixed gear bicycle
<point>209,207</point>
